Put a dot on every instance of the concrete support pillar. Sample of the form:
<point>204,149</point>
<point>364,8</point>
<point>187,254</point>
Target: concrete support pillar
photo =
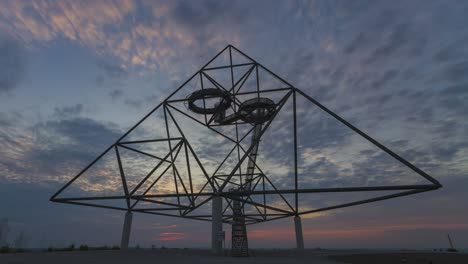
<point>127,227</point>
<point>217,225</point>
<point>299,237</point>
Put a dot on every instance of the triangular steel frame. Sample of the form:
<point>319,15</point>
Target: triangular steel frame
<point>216,184</point>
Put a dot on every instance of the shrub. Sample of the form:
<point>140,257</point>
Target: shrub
<point>101,248</point>
<point>84,247</point>
<point>5,249</point>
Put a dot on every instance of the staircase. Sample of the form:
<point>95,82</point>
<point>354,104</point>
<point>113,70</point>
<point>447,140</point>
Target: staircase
<point>240,246</point>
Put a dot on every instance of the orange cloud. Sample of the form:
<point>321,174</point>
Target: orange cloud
<point>170,236</point>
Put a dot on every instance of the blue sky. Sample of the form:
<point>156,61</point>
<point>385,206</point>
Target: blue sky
<point>75,75</point>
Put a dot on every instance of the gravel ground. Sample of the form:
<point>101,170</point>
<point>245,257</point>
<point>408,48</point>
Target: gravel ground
<point>162,256</point>
<point>404,257</point>
<point>192,256</point>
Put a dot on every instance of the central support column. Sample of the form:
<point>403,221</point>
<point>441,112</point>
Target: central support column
<point>126,230</point>
<point>299,237</point>
<point>217,225</point>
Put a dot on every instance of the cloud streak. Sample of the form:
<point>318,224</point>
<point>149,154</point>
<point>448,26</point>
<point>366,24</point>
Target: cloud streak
<point>12,64</point>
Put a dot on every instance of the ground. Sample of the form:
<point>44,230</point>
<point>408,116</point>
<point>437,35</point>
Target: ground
<point>404,257</point>
<point>179,256</point>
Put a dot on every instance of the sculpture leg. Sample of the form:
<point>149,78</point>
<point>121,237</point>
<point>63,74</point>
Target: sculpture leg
<point>217,225</point>
<point>299,237</point>
<point>126,230</point>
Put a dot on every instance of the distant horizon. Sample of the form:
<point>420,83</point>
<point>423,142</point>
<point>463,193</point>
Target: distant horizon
<point>162,247</point>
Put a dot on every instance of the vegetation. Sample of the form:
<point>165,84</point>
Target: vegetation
<point>69,248</point>
<point>18,244</point>
<point>5,249</point>
<point>84,247</point>
<point>8,249</point>
<point>21,241</point>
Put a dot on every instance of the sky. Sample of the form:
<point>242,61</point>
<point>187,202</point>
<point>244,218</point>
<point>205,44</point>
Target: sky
<point>75,75</point>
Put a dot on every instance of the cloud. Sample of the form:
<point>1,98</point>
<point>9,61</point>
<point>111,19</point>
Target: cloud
<point>356,43</point>
<point>170,236</point>
<point>116,94</point>
<point>12,64</point>
<point>9,120</point>
<point>451,52</point>
<point>79,131</point>
<point>134,103</point>
<point>456,90</point>
<point>208,13</point>
<point>68,111</point>
<point>456,72</point>
<point>198,14</point>
<point>112,70</point>
<point>161,226</point>
<point>387,77</point>
<point>401,35</point>
<point>54,150</point>
<point>141,36</point>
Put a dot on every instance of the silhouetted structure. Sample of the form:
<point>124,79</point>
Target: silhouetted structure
<point>216,97</point>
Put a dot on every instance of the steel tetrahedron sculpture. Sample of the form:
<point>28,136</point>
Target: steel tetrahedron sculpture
<point>205,141</point>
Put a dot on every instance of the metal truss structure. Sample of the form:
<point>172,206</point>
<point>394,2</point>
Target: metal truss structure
<point>217,99</point>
